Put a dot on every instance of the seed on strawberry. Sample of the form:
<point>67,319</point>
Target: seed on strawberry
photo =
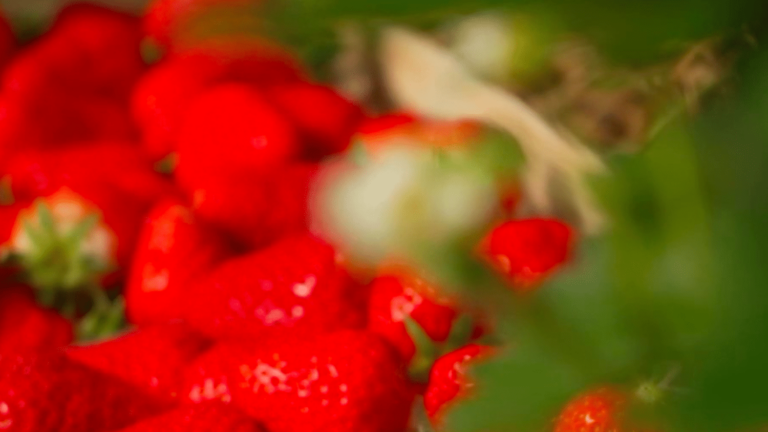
<point>295,286</point>
<point>26,327</point>
<point>174,249</point>
<point>150,358</point>
<point>207,417</point>
<point>527,251</point>
<point>48,393</point>
<point>448,380</point>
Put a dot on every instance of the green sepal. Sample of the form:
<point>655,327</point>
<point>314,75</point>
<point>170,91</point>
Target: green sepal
<point>460,335</point>
<point>105,318</point>
<point>56,261</point>
<point>426,351</point>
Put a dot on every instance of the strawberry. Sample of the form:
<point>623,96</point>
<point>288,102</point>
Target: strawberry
<point>25,326</point>
<point>295,286</point>
<point>108,182</point>
<point>448,381</point>
<point>232,130</point>
<point>593,411</point>
<point>174,249</point>
<point>161,98</point>
<point>116,165</point>
<point>150,358</point>
<point>343,382</point>
<point>527,251</point>
<point>328,130</point>
<point>208,417</point>
<point>48,393</point>
<point>399,295</point>
<point>257,209</point>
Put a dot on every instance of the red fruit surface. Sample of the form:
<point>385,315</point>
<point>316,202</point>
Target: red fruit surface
<point>26,327</point>
<point>397,296</point>
<point>448,380</point>
<point>47,393</point>
<point>256,210</point>
<point>161,98</point>
<point>325,118</point>
<point>594,411</point>
<point>113,164</point>
<point>150,358</point>
<point>349,381</point>
<point>232,129</point>
<point>295,286</point>
<point>527,251</point>
<point>174,250</point>
<point>208,417</point>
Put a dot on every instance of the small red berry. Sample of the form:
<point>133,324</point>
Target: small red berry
<point>527,251</point>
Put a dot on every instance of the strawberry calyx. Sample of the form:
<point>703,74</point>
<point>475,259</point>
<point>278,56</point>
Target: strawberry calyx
<point>428,350</point>
<point>55,260</point>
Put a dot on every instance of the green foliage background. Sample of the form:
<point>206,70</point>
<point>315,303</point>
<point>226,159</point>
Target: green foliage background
<point>679,283</point>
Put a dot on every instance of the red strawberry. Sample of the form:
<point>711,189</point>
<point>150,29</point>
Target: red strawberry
<point>25,326</point>
<point>174,250</point>
<point>295,286</point>
<point>448,380</point>
<point>258,209</point>
<point>209,417</point>
<point>150,358</point>
<point>526,251</point>
<point>323,116</point>
<point>232,130</point>
<point>47,393</point>
<point>117,165</point>
<point>396,296</point>
<point>163,95</point>
<point>594,411</point>
<point>350,381</point>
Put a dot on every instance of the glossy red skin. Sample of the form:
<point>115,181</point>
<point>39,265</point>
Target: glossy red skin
<point>232,130</point>
<point>208,417</point>
<point>349,381</point>
<point>597,410</point>
<point>72,84</point>
<point>256,210</point>
<point>326,119</point>
<point>448,381</point>
<point>151,358</point>
<point>113,164</point>
<point>395,296</point>
<point>294,287</point>
<point>527,251</point>
<point>26,327</point>
<point>48,393</point>
<point>162,96</point>
<point>112,177</point>
<point>174,250</point>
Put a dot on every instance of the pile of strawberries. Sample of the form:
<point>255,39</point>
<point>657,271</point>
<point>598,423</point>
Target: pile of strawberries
<point>175,196</point>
